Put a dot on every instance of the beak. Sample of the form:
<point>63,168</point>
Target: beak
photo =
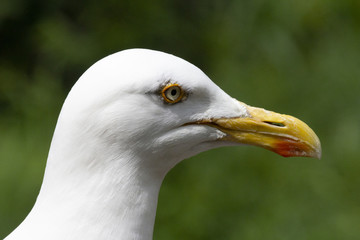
<point>282,134</point>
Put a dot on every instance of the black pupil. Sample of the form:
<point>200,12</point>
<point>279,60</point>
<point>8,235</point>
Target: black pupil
<point>173,92</point>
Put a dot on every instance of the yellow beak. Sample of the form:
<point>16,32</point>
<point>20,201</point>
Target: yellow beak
<point>282,134</point>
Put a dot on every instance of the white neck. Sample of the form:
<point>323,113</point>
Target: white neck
<point>109,199</point>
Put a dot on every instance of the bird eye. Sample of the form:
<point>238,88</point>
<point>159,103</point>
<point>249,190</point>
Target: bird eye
<point>172,93</point>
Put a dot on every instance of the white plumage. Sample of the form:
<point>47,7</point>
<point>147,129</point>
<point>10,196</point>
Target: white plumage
<point>115,140</point>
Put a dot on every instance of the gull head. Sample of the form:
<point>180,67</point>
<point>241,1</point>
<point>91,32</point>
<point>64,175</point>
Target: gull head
<point>127,121</point>
<point>157,109</point>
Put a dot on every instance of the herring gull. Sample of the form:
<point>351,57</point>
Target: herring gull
<point>127,121</point>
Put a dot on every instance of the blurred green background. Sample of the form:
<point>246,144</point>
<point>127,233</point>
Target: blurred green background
<point>296,57</point>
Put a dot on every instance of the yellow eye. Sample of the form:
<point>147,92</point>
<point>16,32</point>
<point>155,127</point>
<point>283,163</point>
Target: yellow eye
<point>172,93</point>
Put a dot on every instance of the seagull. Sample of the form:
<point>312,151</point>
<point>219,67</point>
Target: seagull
<point>127,121</point>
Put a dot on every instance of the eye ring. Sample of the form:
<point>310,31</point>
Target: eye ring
<point>172,93</point>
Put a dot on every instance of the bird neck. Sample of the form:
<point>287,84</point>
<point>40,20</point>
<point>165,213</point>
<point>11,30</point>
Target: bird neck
<point>115,200</point>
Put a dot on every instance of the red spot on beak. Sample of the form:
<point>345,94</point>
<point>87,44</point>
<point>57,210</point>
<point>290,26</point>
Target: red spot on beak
<point>291,149</point>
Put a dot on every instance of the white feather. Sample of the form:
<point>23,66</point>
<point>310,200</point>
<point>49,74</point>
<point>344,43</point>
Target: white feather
<point>114,142</point>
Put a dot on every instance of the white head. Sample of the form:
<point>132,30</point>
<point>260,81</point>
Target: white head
<point>129,119</point>
<point>118,106</point>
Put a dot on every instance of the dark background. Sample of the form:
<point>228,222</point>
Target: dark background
<point>296,57</point>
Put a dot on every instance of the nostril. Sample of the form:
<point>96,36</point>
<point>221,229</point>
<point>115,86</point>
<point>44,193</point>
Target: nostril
<point>277,124</point>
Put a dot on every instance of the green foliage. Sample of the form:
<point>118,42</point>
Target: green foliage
<point>296,57</point>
